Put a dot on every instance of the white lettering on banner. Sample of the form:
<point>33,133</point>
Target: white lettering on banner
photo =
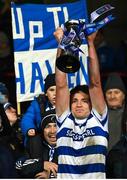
<point>39,34</point>
<point>37,75</point>
<point>55,11</point>
<point>30,73</point>
<point>21,34</point>
<point>66,16</point>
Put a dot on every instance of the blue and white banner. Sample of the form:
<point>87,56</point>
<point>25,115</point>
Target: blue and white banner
<point>35,46</point>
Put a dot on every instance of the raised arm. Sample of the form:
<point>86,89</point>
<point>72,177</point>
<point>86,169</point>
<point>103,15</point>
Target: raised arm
<point>95,88</point>
<point>62,91</point>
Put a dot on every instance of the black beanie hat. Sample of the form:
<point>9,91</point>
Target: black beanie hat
<point>49,117</point>
<point>49,81</point>
<point>114,81</point>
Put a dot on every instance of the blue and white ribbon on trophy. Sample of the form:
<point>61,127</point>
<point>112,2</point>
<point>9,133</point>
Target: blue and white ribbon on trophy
<point>73,39</point>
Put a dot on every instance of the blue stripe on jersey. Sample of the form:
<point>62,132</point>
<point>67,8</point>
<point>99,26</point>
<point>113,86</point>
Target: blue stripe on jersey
<point>59,124</point>
<point>105,120</point>
<point>88,150</point>
<point>89,132</point>
<point>71,117</point>
<point>82,169</point>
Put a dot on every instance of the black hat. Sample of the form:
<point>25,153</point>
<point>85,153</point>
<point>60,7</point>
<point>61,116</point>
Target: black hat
<point>114,81</point>
<point>49,81</point>
<point>49,117</point>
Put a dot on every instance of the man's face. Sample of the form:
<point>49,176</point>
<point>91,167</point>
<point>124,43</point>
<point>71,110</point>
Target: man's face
<point>50,133</point>
<point>51,94</point>
<point>115,98</point>
<point>11,114</point>
<point>80,105</point>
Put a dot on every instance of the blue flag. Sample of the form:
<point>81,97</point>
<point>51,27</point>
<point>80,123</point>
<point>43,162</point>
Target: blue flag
<point>35,46</point>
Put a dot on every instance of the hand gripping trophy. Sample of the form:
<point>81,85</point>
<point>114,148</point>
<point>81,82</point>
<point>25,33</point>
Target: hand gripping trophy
<point>75,31</point>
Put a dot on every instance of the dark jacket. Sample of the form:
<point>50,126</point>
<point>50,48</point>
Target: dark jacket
<point>116,162</point>
<point>9,135</point>
<point>11,147</point>
<point>32,164</point>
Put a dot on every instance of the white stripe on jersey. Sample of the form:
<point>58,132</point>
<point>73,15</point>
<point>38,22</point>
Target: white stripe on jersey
<point>82,160</point>
<point>93,140</point>
<point>82,176</point>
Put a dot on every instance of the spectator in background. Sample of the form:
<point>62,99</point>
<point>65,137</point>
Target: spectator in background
<point>30,123</point>
<point>11,113</point>
<point>10,147</point>
<point>4,101</point>
<point>41,161</point>
<point>106,54</point>
<point>82,131</point>
<point>115,94</point>
<point>14,122</point>
<point>9,109</point>
<point>10,134</point>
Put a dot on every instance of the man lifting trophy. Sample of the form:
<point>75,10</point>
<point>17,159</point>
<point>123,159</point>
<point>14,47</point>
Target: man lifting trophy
<point>75,31</point>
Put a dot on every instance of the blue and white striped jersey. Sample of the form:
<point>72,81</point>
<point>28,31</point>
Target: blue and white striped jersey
<point>82,145</point>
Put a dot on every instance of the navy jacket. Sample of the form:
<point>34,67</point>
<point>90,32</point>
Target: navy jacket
<point>28,166</point>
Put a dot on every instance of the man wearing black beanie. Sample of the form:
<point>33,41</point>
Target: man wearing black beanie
<point>115,83</point>
<point>42,159</point>
<point>115,93</point>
